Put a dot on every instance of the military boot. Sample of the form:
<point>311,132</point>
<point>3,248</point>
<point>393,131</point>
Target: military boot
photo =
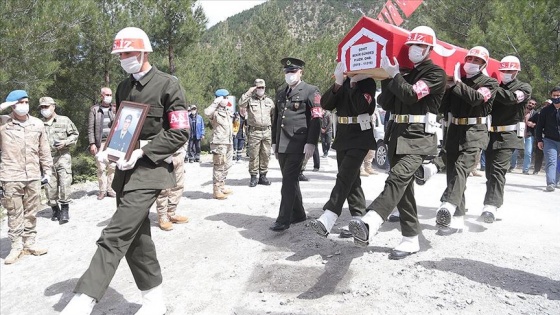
<point>370,170</point>
<point>64,215</point>
<point>218,194</point>
<point>165,224</point>
<point>15,253</point>
<point>30,248</point>
<point>226,190</point>
<point>253,181</point>
<point>263,180</point>
<point>363,172</point>
<point>178,219</point>
<point>55,213</point>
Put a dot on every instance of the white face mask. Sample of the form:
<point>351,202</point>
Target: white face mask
<point>291,78</point>
<point>107,99</point>
<point>471,68</point>
<point>416,54</point>
<point>21,109</point>
<point>131,64</point>
<point>507,77</point>
<point>260,92</point>
<point>47,112</point>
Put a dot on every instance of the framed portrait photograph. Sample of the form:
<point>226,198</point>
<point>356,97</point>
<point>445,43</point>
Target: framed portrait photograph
<point>123,137</point>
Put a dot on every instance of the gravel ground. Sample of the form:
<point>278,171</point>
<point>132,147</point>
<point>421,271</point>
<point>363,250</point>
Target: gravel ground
<point>227,261</point>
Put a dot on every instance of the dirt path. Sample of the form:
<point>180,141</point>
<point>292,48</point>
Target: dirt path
<point>226,261</point>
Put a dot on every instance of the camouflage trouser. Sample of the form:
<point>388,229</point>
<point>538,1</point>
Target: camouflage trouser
<point>222,154</point>
<point>58,188</point>
<point>167,201</point>
<point>259,143</point>
<point>22,200</point>
<point>105,173</point>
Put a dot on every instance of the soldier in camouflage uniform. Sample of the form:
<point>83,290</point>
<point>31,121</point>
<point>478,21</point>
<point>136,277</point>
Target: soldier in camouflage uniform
<point>414,100</point>
<point>506,133</point>
<point>25,155</point>
<point>221,145</point>
<point>260,109</point>
<point>168,199</point>
<point>62,134</point>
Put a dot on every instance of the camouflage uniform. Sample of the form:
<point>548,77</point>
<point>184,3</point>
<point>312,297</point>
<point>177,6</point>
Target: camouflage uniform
<point>259,119</point>
<point>60,129</point>
<point>168,199</point>
<point>25,154</point>
<point>221,146</point>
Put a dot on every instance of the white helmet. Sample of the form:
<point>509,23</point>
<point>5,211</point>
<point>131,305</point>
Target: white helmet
<point>510,63</point>
<point>480,52</point>
<point>423,35</point>
<point>131,39</point>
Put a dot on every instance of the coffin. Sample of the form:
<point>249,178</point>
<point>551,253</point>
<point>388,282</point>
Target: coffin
<point>369,40</point>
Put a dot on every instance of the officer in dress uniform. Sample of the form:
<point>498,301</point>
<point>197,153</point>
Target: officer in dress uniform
<point>467,105</point>
<point>296,127</point>
<point>414,100</point>
<point>138,180</point>
<point>354,101</point>
<point>506,133</point>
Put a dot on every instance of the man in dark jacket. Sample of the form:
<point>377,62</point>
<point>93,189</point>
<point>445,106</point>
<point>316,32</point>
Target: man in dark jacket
<point>414,100</point>
<point>326,132</point>
<point>506,133</point>
<point>138,180</point>
<point>354,102</point>
<point>548,137</point>
<point>467,104</point>
<point>100,120</point>
<point>295,130</point>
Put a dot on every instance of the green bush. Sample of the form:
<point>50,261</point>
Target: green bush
<point>84,168</point>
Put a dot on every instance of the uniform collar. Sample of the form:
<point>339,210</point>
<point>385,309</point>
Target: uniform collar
<point>50,121</point>
<point>146,78</point>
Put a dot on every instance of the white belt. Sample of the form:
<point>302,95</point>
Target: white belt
<point>468,120</point>
<point>503,128</point>
<point>408,119</point>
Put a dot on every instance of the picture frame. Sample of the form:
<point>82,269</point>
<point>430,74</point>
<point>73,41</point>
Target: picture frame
<point>125,131</point>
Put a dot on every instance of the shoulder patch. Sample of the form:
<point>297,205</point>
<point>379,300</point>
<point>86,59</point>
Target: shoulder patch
<point>485,92</point>
<point>316,112</point>
<point>421,89</point>
<point>368,98</point>
<point>179,119</point>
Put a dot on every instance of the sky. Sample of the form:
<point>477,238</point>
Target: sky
<point>219,10</point>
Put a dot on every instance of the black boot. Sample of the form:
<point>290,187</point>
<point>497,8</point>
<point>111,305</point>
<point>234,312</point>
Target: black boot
<point>55,213</point>
<point>263,180</point>
<point>64,216</point>
<point>253,182</point>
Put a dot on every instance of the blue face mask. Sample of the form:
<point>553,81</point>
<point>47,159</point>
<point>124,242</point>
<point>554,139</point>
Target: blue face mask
<point>555,100</point>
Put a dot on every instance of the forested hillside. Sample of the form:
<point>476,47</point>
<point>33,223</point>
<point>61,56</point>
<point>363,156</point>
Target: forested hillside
<point>62,48</point>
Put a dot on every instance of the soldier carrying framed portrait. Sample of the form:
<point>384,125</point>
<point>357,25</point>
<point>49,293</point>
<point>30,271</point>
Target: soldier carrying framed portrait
<point>123,137</point>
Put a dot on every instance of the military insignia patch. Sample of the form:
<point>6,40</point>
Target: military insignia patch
<point>296,105</point>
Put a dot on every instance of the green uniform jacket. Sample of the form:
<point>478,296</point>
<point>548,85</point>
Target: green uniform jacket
<point>61,129</point>
<point>473,97</point>
<point>297,118</point>
<point>416,93</point>
<point>509,110</point>
<point>164,94</point>
<point>351,102</point>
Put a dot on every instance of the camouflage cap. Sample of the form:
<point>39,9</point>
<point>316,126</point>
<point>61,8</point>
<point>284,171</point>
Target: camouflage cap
<point>45,100</point>
<point>259,83</point>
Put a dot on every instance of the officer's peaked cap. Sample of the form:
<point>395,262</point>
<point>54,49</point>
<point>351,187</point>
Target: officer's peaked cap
<point>292,63</point>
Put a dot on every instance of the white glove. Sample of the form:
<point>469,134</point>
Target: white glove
<point>392,70</point>
<point>520,96</point>
<point>45,179</point>
<point>339,73</point>
<point>308,149</point>
<point>359,77</point>
<point>457,73</point>
<point>102,156</point>
<point>217,101</point>
<point>6,105</point>
<point>129,164</point>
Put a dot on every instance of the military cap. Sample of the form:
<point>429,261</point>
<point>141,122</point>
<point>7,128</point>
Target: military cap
<point>222,92</point>
<point>259,83</point>
<point>46,101</point>
<point>13,98</point>
<point>292,63</point>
